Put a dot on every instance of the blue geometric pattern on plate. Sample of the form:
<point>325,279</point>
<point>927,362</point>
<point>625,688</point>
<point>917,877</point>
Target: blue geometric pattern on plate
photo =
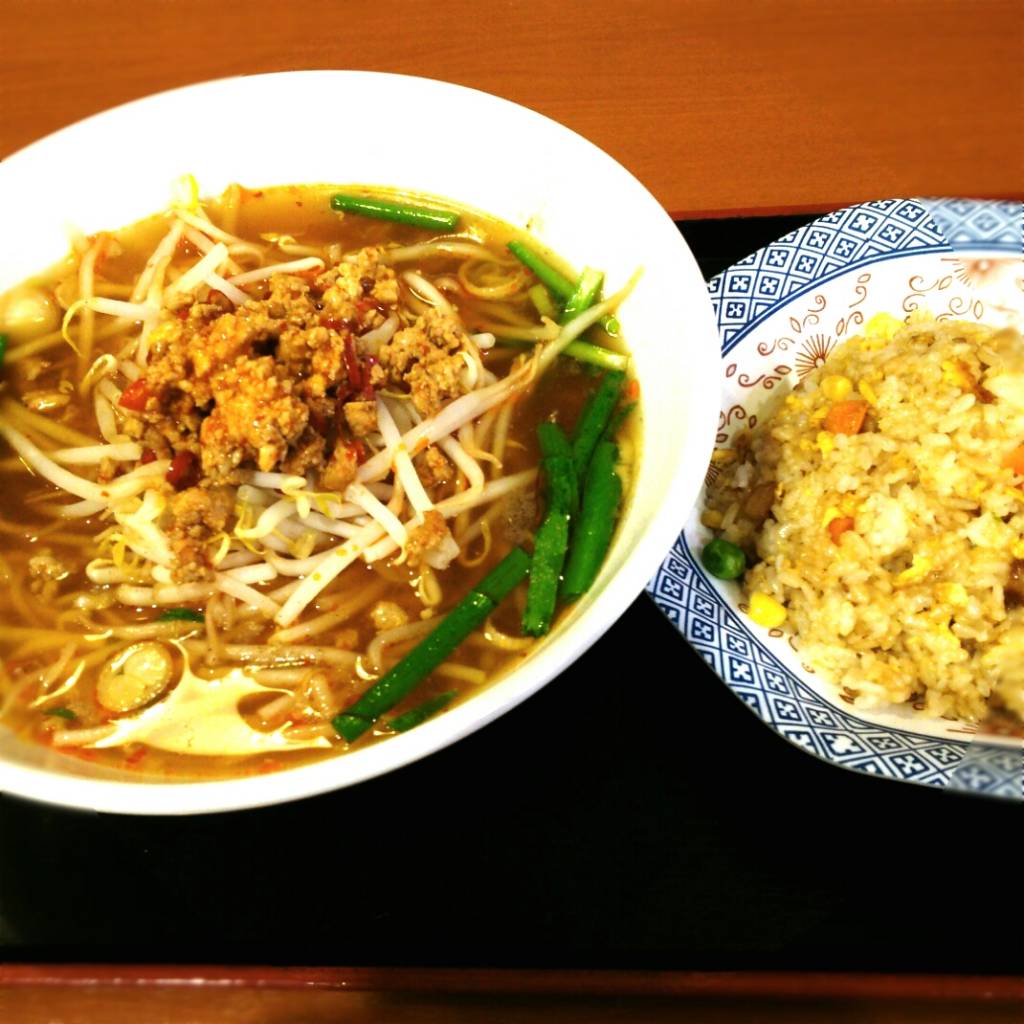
<point>743,296</point>
<point>755,287</point>
<point>979,223</point>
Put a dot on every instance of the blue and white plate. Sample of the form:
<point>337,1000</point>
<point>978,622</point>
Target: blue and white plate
<point>780,313</point>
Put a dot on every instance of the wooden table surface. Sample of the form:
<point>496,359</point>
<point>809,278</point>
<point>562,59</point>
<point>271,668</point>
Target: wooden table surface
<point>755,106</point>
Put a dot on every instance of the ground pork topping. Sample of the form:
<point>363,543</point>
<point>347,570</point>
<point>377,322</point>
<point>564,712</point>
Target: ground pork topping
<point>426,537</point>
<point>358,288</point>
<point>255,418</point>
<point>198,514</point>
<point>282,384</point>
<point>426,359</point>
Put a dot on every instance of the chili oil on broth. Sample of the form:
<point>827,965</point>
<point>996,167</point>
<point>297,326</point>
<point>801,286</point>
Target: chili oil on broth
<point>37,610</point>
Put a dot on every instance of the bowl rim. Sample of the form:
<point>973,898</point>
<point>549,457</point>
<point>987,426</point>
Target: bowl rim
<point>188,797</point>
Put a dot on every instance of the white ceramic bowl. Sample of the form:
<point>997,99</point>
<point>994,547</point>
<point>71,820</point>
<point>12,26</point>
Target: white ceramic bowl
<point>117,167</point>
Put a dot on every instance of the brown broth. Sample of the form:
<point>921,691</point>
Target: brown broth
<point>27,530</point>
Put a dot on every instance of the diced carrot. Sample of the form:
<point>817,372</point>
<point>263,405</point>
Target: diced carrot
<point>136,395</point>
<point>1015,460</point>
<point>847,417</point>
<point>838,526</point>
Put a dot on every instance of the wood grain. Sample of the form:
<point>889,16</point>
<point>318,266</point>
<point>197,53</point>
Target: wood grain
<point>118,994</point>
<point>766,105</point>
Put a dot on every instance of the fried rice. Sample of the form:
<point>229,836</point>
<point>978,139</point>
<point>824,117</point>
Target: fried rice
<point>882,507</point>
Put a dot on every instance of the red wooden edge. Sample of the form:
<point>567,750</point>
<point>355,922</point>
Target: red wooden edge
<point>785,211</point>
<point>730,984</point>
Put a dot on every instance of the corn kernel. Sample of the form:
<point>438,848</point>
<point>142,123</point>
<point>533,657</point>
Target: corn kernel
<point>868,392</point>
<point>920,566</point>
<point>819,414</point>
<point>711,518</point>
<point>952,593</point>
<point>720,456</point>
<point>1017,549</point>
<point>824,442</point>
<point>766,611</point>
<point>836,387</point>
<point>830,513</point>
<point>883,326</point>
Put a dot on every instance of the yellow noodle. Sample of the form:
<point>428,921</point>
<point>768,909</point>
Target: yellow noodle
<point>463,673</point>
<point>485,549</point>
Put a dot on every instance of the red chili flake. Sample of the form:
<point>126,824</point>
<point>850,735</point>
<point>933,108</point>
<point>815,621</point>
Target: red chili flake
<point>333,323</point>
<point>357,449</point>
<point>136,395</point>
<point>318,421</point>
<point>136,756</point>
<point>148,456</point>
<point>182,313</point>
<point>184,471</point>
<point>365,305</point>
<point>368,393</point>
<point>352,367</point>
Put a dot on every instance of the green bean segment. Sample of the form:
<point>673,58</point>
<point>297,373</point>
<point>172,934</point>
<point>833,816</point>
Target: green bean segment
<point>469,614</point>
<point>3,348</point>
<point>401,213</point>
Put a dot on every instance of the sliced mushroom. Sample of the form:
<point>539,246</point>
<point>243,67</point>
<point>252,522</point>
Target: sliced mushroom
<point>134,677</point>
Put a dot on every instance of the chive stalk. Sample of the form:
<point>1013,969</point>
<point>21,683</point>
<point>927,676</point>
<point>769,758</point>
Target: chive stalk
<point>400,213</point>
<point>469,614</point>
<point>419,714</point>
<point>581,351</point>
<point>542,301</point>
<point>559,285</point>
<point>592,535</point>
<point>594,419</point>
<point>584,295</point>
<point>180,615</point>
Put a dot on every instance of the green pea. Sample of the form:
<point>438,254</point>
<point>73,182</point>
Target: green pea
<point>723,559</point>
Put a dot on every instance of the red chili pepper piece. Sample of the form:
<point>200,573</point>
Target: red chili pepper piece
<point>358,449</point>
<point>148,455</point>
<point>136,395</point>
<point>352,367</point>
<point>184,471</point>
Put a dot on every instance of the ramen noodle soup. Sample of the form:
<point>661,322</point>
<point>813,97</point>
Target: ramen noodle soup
<point>293,470</point>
